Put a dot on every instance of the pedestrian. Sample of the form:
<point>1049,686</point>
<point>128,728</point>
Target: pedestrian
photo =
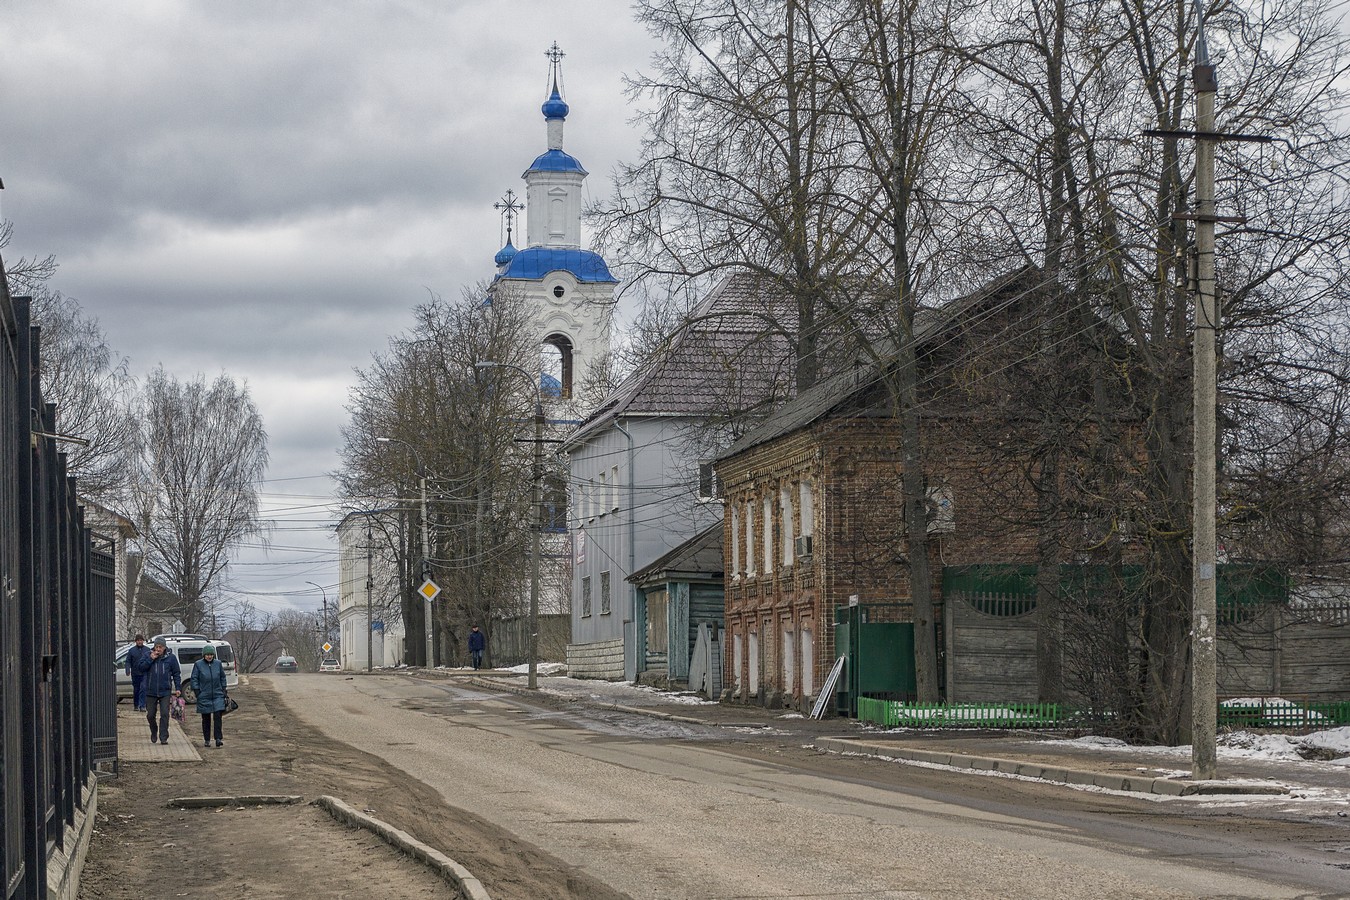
<point>163,682</point>
<point>134,655</point>
<point>477,643</point>
<point>208,683</point>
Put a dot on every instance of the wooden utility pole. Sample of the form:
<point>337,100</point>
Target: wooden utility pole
<point>1204,574</point>
<point>1204,653</point>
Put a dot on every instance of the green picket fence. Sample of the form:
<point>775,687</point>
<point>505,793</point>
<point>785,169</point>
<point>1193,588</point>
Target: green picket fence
<point>895,714</point>
<point>1258,714</point>
<point>1280,713</point>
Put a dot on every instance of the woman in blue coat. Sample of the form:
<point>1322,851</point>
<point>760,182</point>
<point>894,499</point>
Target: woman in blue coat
<point>208,683</point>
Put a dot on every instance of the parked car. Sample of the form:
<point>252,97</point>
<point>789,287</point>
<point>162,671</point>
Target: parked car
<point>188,648</point>
<point>330,665</point>
<point>287,664</point>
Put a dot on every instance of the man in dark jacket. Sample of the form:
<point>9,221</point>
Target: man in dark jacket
<point>135,655</point>
<point>477,643</point>
<point>163,681</point>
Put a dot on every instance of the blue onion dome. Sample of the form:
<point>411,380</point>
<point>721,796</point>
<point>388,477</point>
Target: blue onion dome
<point>505,255</point>
<point>554,107</point>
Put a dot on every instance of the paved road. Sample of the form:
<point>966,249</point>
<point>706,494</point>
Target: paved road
<point>658,809</point>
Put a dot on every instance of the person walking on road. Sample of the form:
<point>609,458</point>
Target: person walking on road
<point>477,644</point>
<point>208,683</point>
<point>135,655</point>
<point>163,682</point>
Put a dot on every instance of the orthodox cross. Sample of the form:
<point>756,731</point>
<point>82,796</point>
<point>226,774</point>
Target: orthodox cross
<point>555,57</point>
<point>509,206</point>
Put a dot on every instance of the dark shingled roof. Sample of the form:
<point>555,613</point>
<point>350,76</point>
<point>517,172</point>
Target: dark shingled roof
<point>700,555</point>
<point>822,397</point>
<point>732,356</point>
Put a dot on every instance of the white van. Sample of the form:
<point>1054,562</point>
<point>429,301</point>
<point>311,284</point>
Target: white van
<point>188,648</point>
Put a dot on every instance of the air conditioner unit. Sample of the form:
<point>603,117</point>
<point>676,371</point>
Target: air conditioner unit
<point>941,511</point>
<point>802,546</point>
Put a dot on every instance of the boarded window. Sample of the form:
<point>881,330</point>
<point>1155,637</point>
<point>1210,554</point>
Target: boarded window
<point>658,604</point>
<point>586,596</point>
<point>604,593</point>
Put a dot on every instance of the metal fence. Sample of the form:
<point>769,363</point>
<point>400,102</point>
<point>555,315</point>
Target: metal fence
<point>56,616</point>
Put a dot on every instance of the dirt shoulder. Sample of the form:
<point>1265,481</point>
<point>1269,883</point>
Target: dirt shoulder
<point>292,851</point>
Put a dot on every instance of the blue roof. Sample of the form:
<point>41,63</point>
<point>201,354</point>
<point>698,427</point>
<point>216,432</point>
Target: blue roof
<point>549,386</point>
<point>534,263</point>
<point>555,161</point>
<point>554,107</point>
<point>505,254</point>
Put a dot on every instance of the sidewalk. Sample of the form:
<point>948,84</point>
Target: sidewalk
<point>133,740</point>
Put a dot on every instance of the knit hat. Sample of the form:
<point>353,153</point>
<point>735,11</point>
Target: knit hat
<point>208,651</point>
<point>160,643</point>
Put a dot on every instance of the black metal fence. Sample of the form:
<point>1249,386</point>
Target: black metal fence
<point>56,624</point>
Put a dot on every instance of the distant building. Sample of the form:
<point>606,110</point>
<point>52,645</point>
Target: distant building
<point>113,529</point>
<point>369,615</point>
<point>641,464</point>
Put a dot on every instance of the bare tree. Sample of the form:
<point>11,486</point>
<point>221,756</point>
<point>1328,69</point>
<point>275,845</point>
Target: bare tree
<point>84,377</point>
<point>202,451</point>
<point>462,423</point>
<point>93,392</point>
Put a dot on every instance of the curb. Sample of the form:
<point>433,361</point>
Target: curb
<point>468,885</point>
<point>252,800</point>
<point>1170,787</point>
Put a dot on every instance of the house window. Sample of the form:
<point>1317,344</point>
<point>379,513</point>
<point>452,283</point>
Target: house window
<point>750,539</point>
<point>601,495</point>
<point>808,663</point>
<point>767,527</point>
<point>808,508</point>
<point>614,489</point>
<point>585,596</point>
<point>735,541</point>
<point>785,516</point>
<point>604,593</point>
<point>708,488</point>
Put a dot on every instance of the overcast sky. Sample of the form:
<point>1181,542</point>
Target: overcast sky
<point>267,188</point>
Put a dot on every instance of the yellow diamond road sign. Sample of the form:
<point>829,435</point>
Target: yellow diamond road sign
<point>327,647</point>
<point>429,589</point>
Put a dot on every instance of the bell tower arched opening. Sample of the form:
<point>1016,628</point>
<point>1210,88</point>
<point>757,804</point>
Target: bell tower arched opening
<point>556,364</point>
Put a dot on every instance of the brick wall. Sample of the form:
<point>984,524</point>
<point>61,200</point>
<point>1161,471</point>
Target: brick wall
<point>858,538</point>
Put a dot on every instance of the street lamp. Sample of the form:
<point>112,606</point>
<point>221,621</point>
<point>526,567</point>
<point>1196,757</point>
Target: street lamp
<point>533,642</point>
<point>426,545</point>
<point>327,629</point>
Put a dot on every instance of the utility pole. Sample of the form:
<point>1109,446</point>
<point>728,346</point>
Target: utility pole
<point>370,587</point>
<point>426,547</point>
<point>1204,653</point>
<point>426,570</point>
<point>536,495</point>
<point>1204,563</point>
<point>533,681</point>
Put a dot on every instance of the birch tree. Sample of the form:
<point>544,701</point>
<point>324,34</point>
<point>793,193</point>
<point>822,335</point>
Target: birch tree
<point>202,453</point>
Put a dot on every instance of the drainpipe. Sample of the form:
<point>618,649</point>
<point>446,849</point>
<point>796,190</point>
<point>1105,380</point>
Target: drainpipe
<point>632,534</point>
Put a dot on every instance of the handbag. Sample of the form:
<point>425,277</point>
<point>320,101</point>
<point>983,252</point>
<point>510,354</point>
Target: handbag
<point>176,708</point>
<point>230,705</point>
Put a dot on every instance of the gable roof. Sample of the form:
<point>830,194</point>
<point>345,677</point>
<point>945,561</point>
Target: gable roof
<point>731,356</point>
<point>700,555</point>
<point>823,397</point>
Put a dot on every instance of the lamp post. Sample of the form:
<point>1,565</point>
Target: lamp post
<point>326,629</point>
<point>533,642</point>
<point>426,545</point>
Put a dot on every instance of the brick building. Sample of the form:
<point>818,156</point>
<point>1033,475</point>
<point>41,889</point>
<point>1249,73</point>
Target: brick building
<point>813,502</point>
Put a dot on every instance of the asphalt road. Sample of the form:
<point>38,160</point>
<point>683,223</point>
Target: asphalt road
<point>661,809</point>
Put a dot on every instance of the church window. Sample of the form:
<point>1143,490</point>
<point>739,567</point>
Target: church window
<point>559,291</point>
